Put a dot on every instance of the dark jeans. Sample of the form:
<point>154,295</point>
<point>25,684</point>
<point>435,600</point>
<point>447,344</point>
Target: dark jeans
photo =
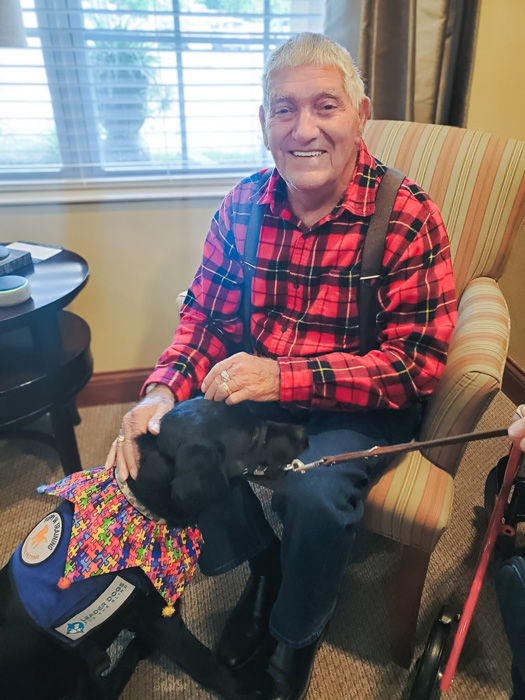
<point>510,588</point>
<point>319,511</point>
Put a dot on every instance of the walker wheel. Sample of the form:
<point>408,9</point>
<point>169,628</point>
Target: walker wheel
<point>428,665</point>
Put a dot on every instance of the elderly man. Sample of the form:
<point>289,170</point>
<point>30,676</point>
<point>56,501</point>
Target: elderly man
<point>305,366</point>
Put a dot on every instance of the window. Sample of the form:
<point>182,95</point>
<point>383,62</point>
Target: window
<point>140,88</point>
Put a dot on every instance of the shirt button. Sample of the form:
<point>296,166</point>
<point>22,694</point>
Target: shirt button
<point>283,327</point>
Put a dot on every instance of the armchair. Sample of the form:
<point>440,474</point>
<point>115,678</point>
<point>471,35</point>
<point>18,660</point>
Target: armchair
<point>478,182</point>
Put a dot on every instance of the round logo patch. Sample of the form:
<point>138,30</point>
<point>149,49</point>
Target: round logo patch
<point>43,539</point>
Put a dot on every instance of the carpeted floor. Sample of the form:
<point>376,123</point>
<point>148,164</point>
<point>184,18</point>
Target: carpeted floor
<point>354,660</point>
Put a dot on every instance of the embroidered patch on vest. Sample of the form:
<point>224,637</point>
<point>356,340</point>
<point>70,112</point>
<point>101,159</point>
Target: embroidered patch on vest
<point>99,611</point>
<point>43,539</point>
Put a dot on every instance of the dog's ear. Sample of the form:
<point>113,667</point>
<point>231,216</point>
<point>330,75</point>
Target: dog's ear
<point>152,484</point>
<point>147,445</point>
<point>200,476</point>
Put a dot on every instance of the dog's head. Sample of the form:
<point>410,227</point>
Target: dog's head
<point>178,486</point>
<point>201,446</point>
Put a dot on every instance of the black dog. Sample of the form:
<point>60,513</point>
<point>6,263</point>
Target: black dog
<point>185,469</point>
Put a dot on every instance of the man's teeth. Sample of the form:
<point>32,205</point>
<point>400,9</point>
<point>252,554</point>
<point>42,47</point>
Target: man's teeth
<point>306,154</point>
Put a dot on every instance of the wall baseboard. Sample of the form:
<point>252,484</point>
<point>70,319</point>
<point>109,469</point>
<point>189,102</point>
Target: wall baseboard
<point>113,387</point>
<point>514,382</point>
<point>124,386</point>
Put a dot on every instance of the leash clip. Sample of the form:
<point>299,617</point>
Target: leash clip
<point>298,466</point>
<point>371,451</point>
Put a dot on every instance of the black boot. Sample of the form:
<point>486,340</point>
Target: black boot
<point>245,633</point>
<point>291,670</point>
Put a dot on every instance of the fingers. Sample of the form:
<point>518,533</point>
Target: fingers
<point>145,416</point>
<point>116,458</point>
<point>243,377</point>
<point>110,459</point>
<point>154,422</point>
<point>520,412</point>
<point>127,460</point>
<point>517,428</point>
<point>219,384</point>
<point>225,371</point>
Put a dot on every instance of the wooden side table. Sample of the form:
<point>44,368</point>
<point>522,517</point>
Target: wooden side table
<point>45,357</point>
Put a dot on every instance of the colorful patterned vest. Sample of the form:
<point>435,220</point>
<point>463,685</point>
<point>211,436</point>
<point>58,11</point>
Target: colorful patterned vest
<point>81,562</point>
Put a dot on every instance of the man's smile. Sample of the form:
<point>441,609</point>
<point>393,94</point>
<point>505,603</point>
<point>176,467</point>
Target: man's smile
<point>306,154</point>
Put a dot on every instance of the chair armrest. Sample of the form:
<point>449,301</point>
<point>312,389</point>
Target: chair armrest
<point>473,373</point>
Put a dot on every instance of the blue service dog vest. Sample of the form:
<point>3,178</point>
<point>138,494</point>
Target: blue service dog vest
<point>70,614</point>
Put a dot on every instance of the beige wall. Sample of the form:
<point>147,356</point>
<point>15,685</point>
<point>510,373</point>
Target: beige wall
<point>142,253</point>
<point>497,104</point>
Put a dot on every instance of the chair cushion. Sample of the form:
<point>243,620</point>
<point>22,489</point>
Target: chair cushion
<point>411,503</point>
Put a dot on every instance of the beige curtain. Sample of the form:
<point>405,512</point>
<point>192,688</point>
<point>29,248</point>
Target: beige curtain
<point>11,25</point>
<point>415,55</point>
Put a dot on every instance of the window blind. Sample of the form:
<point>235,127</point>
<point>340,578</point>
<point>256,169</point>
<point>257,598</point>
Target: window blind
<point>140,88</point>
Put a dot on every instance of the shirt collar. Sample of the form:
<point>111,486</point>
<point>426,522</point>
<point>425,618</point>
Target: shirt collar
<point>359,197</point>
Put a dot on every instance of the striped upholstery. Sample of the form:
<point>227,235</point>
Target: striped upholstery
<point>478,182</point>
<point>473,373</point>
<point>476,179</point>
<point>412,502</point>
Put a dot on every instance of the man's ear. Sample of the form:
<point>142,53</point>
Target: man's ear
<point>262,119</point>
<point>363,115</point>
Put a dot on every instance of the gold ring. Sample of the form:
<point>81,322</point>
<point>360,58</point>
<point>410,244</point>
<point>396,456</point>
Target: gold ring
<point>120,439</point>
<point>226,388</point>
<point>225,376</point>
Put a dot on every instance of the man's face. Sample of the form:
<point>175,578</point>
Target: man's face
<point>312,129</point>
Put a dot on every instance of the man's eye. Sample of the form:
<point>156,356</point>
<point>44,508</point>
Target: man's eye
<point>282,110</point>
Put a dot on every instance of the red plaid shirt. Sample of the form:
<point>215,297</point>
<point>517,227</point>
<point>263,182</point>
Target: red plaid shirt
<point>304,298</point>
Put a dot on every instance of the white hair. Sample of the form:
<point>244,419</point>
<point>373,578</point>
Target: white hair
<point>314,50</point>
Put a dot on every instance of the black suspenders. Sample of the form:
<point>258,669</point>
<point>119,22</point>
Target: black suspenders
<point>373,251</point>
<point>250,258</point>
<point>370,264</point>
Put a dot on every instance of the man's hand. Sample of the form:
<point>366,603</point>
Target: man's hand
<point>243,377</point>
<point>517,429</point>
<point>144,416</point>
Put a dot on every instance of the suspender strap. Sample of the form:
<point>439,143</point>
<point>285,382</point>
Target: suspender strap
<point>372,257</point>
<point>250,257</point>
<point>370,265</point>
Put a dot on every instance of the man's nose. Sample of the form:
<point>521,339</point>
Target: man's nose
<point>306,127</point>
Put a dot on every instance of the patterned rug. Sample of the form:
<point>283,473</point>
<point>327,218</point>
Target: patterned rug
<point>354,660</point>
